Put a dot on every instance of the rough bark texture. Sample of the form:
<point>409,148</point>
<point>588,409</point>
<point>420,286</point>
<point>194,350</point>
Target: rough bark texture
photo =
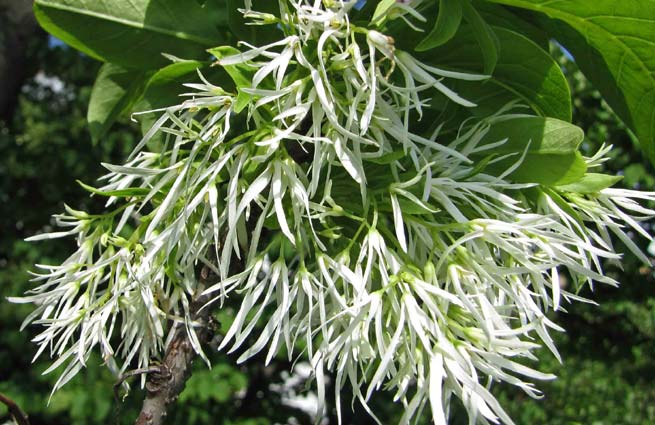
<point>14,410</point>
<point>164,386</point>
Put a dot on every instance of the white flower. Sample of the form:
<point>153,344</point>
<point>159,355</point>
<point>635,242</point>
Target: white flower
<point>396,262</point>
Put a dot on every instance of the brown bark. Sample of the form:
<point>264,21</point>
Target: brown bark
<point>14,410</point>
<point>165,385</point>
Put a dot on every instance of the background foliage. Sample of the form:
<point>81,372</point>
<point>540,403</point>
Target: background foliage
<point>45,146</point>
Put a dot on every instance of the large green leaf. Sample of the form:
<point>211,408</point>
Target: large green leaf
<point>549,148</point>
<point>448,20</point>
<point>484,34</point>
<point>114,91</point>
<point>524,69</point>
<point>134,33</point>
<point>613,42</point>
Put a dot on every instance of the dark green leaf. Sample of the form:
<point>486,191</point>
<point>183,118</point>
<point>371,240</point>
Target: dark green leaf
<point>134,33</point>
<point>237,23</point>
<point>480,166</point>
<point>164,89</point>
<point>550,147</point>
<point>517,20</point>
<point>165,86</point>
<point>591,183</point>
<point>613,43</point>
<point>484,34</point>
<point>407,207</point>
<point>533,75</point>
<point>253,34</point>
<point>448,20</point>
<point>114,92</point>
<point>524,70</point>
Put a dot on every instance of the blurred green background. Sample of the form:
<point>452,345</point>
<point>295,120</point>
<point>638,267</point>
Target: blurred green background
<point>608,372</point>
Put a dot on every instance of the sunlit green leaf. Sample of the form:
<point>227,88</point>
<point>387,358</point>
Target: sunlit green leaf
<point>381,10</point>
<point>134,33</point>
<point>549,147</point>
<point>591,183</point>
<point>613,43</point>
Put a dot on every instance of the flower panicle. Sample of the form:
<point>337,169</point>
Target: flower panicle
<point>391,257</point>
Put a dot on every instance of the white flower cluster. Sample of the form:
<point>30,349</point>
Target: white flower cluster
<point>390,257</point>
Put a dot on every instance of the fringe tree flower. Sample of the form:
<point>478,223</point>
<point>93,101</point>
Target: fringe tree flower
<point>396,258</point>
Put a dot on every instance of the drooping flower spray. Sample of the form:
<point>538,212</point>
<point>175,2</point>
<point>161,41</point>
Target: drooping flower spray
<point>398,259</point>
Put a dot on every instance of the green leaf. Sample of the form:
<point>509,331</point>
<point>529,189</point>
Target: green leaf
<point>480,166</point>
<point>518,20</point>
<point>165,86</point>
<point>134,33</point>
<point>448,20</point>
<point>237,23</point>
<point>548,135</point>
<point>407,207</point>
<point>114,92</point>
<point>591,183</point>
<point>484,34</point>
<point>524,70</point>
<point>550,147</point>
<point>563,204</point>
<point>532,74</point>
<point>243,100</point>
<point>382,10</point>
<point>613,43</point>
<point>240,74</point>
<point>174,71</point>
<point>164,89</point>
<point>120,193</point>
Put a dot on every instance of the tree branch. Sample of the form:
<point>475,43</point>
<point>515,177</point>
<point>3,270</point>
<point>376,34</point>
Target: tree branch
<point>165,384</point>
<point>14,410</point>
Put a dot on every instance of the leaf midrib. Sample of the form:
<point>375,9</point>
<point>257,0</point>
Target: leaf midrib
<point>130,23</point>
<point>642,65</point>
